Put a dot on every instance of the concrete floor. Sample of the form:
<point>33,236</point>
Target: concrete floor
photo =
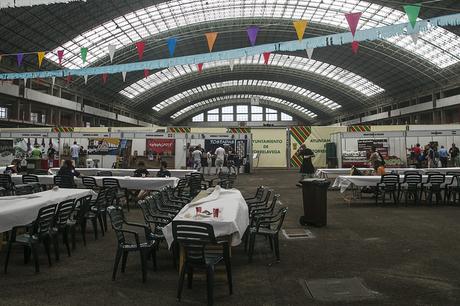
<point>404,255</point>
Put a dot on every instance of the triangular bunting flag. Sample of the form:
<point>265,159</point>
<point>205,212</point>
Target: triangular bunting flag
<point>53,81</point>
<point>123,74</point>
<point>140,45</point>
<point>252,34</point>
<point>41,56</point>
<point>172,41</point>
<point>266,57</point>
<point>86,79</point>
<point>84,53</point>
<point>19,57</point>
<point>414,37</point>
<point>200,67</point>
<point>146,73</point>
<point>231,64</point>
<point>355,46</point>
<point>310,52</point>
<point>60,54</point>
<point>211,38</point>
<point>300,26</point>
<point>412,12</point>
<point>105,76</point>
<point>68,79</point>
<point>25,82</point>
<point>353,20</point>
<point>112,49</point>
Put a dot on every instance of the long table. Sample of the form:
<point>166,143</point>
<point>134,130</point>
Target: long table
<point>20,210</point>
<point>124,172</point>
<point>233,216</point>
<point>345,181</point>
<point>134,183</point>
<point>334,172</point>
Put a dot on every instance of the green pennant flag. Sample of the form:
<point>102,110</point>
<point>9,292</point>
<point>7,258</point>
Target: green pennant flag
<point>84,52</point>
<point>412,12</point>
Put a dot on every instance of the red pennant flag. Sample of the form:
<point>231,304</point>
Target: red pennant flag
<point>68,79</point>
<point>355,46</point>
<point>140,45</point>
<point>353,20</point>
<point>105,76</point>
<point>146,73</point>
<point>266,57</point>
<point>200,67</point>
<point>60,54</point>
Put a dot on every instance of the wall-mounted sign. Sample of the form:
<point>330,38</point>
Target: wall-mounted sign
<point>160,146</point>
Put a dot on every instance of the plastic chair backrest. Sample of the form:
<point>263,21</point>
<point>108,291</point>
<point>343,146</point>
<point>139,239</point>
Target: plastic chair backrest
<point>117,219</point>
<point>193,237</point>
<point>64,181</point>
<point>24,189</point>
<point>436,178</point>
<point>412,178</point>
<point>110,182</point>
<point>29,178</point>
<point>390,179</point>
<point>89,182</point>
<point>6,182</point>
<point>64,211</point>
<point>45,219</point>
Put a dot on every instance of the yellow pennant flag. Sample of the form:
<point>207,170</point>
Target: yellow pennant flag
<point>300,26</point>
<point>211,37</point>
<point>41,56</point>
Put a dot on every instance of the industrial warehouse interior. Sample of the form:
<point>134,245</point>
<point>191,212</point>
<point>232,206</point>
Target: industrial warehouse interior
<point>208,152</point>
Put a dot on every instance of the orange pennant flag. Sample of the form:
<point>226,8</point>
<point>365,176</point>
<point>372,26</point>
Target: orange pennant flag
<point>41,56</point>
<point>300,26</point>
<point>211,37</point>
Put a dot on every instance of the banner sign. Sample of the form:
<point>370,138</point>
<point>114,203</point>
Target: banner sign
<point>161,146</point>
<point>103,146</point>
<point>381,145</point>
<point>270,145</point>
<point>210,145</point>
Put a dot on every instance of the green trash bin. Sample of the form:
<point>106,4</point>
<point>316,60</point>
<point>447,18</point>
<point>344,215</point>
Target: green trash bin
<point>314,194</point>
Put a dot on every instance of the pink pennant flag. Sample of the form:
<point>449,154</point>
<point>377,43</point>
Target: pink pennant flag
<point>105,76</point>
<point>20,57</point>
<point>266,57</point>
<point>60,54</point>
<point>146,73</point>
<point>68,79</point>
<point>140,45</point>
<point>355,46</point>
<point>353,20</point>
<point>200,67</point>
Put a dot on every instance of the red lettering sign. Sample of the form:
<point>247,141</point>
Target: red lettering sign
<point>161,146</point>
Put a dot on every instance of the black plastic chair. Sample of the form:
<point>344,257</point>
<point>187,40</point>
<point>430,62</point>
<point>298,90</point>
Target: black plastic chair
<point>155,219</point>
<point>193,237</point>
<point>64,181</point>
<point>36,232</point>
<point>89,182</point>
<point>109,182</point>
<point>62,225</point>
<point>434,186</point>
<point>32,180</point>
<point>452,189</point>
<point>257,196</point>
<point>146,249</point>
<point>268,226</point>
<point>82,213</point>
<point>24,189</point>
<point>7,183</point>
<point>411,187</point>
<point>104,173</point>
<point>253,205</point>
<point>389,184</point>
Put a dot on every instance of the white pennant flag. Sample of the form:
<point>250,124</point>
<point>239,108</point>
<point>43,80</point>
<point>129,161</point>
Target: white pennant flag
<point>25,82</point>
<point>414,37</point>
<point>310,52</point>
<point>231,63</point>
<point>53,81</point>
<point>123,73</point>
<point>86,79</point>
<point>112,49</point>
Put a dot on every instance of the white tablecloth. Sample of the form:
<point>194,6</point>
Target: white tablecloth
<point>124,172</point>
<point>21,210</point>
<point>345,181</point>
<point>233,216</point>
<point>334,172</point>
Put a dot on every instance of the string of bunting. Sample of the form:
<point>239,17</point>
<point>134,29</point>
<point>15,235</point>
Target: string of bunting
<point>413,28</point>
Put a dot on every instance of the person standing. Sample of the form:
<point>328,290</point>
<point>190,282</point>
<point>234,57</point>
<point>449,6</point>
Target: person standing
<point>307,169</point>
<point>51,153</point>
<point>220,157</point>
<point>209,161</point>
<point>454,155</point>
<point>36,152</point>
<point>443,156</point>
<point>431,157</point>
<point>196,155</point>
<point>75,152</point>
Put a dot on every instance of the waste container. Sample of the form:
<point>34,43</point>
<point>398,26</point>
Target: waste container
<point>314,193</point>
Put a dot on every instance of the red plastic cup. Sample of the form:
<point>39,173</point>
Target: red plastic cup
<point>198,210</point>
<point>215,212</point>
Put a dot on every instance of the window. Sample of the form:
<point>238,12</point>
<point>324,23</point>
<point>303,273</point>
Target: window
<point>198,118</point>
<point>227,117</point>
<point>242,109</point>
<point>271,114</point>
<point>285,117</point>
<point>213,115</point>
<point>256,117</point>
<point>34,117</point>
<point>242,117</point>
<point>227,110</point>
<point>256,109</point>
<point>3,112</point>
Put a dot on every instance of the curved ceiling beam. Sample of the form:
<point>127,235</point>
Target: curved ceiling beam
<point>437,45</point>
<point>348,80</point>
<point>280,104</point>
